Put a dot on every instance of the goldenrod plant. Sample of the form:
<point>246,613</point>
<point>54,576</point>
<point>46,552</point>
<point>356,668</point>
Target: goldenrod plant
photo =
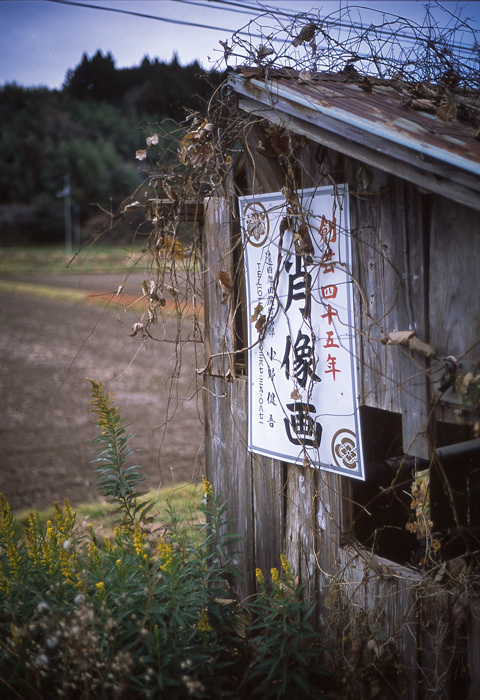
<point>287,648</point>
<point>148,612</point>
<point>116,481</point>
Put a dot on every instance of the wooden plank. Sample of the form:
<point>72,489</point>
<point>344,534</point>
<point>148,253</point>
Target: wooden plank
<point>264,173</point>
<point>381,597</point>
<point>391,296</point>
<point>377,273</point>
<point>228,468</point>
<point>415,390</point>
<point>217,261</point>
<point>328,510</point>
<point>300,526</point>
<point>454,279</point>
<point>268,511</point>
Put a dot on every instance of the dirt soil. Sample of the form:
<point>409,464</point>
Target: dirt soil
<point>47,349</point>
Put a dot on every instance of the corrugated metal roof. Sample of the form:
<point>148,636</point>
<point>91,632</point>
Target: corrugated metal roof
<point>378,116</point>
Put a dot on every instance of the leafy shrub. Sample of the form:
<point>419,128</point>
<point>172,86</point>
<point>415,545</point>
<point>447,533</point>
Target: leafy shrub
<point>147,612</point>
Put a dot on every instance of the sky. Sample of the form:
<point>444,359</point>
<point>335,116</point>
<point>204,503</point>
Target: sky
<point>40,40</point>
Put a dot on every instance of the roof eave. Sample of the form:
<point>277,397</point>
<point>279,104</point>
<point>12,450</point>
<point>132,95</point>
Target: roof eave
<point>431,169</point>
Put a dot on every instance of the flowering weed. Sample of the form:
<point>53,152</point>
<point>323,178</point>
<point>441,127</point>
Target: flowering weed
<point>150,612</point>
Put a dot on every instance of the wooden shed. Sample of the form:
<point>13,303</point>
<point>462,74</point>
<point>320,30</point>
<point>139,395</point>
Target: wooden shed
<point>389,555</point>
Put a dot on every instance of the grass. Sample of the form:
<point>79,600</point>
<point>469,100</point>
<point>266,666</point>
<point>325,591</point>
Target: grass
<point>68,294</point>
<point>184,498</point>
<point>49,260</point>
<point>45,291</point>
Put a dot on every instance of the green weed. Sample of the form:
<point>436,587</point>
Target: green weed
<point>149,611</point>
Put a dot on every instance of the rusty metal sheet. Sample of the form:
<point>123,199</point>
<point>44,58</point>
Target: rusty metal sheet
<point>379,108</point>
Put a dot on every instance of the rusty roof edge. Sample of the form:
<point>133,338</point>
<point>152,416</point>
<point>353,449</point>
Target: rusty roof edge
<point>369,127</point>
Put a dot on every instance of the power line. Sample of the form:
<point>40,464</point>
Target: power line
<point>226,5</point>
<point>132,13</point>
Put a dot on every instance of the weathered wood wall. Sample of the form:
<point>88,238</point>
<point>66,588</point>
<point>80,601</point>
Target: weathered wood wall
<point>416,267</point>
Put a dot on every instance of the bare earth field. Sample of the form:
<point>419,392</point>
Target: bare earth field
<point>47,349</point>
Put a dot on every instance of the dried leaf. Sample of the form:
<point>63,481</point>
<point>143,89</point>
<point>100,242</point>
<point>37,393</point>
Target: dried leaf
<point>141,155</point>
<point>152,312</point>
<point>261,321</point>
<point>423,105</point>
<point>256,312</point>
<point>173,290</point>
<point>133,205</point>
<point>305,76</point>
<point>263,51</point>
<point>426,90</point>
<point>152,140</point>
<point>196,147</point>
<point>306,34</point>
<point>302,240</point>
<point>366,84</point>
<point>295,395</point>
<point>227,50</point>
<point>421,347</point>
<point>226,285</point>
<point>255,225</point>
<point>284,225</point>
<point>447,112</point>
<point>400,337</point>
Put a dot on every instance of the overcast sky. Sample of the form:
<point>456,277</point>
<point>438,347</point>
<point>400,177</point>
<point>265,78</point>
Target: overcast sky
<point>41,39</point>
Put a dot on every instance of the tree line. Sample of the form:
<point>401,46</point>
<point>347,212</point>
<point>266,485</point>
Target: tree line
<point>88,131</point>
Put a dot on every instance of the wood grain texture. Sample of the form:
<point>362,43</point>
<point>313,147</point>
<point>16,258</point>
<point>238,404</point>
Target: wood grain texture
<point>218,258</point>
<point>228,467</point>
<point>300,526</point>
<point>268,511</point>
<point>454,279</point>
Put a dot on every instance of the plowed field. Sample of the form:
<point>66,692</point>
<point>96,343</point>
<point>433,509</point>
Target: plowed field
<point>48,346</point>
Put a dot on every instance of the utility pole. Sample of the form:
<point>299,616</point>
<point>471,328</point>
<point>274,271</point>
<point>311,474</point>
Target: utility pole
<point>67,208</point>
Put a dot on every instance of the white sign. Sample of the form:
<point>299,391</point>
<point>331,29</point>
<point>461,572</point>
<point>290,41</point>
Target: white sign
<point>303,405</point>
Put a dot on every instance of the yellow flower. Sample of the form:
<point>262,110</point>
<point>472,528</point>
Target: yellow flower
<point>68,565</point>
<point>101,591</point>
<point>285,564</point>
<point>207,487</point>
<point>275,576</point>
<point>259,576</point>
<point>165,552</point>
<point>204,625</point>
<point>65,518</point>
<point>108,545</point>
<point>138,539</point>
<point>4,582</point>
<point>102,406</point>
<point>50,549</point>
<point>93,553</point>
<point>32,537</point>
<point>7,535</point>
